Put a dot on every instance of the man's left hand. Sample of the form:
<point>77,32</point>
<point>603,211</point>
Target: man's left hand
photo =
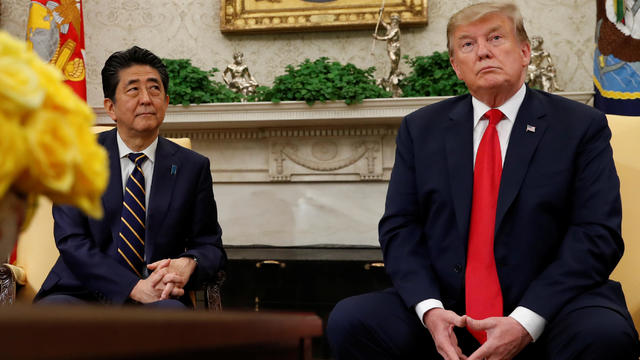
<point>178,273</point>
<point>505,338</point>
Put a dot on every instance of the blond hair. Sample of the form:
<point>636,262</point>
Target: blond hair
<point>477,11</point>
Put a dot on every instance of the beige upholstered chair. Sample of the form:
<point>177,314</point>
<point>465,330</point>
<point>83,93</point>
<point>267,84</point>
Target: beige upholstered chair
<point>37,253</point>
<point>626,148</point>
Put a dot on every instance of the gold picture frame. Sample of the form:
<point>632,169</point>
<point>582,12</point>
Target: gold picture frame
<point>260,16</point>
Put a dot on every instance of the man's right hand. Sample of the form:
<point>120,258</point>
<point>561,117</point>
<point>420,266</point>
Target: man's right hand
<point>440,323</point>
<point>147,290</point>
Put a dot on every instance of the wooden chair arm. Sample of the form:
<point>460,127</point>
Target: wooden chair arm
<point>7,286</point>
<point>212,292</point>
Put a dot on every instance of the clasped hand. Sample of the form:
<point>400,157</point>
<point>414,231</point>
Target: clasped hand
<point>168,279</point>
<point>505,336</point>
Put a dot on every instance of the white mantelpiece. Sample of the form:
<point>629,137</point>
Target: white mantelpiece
<point>298,113</point>
<point>290,174</point>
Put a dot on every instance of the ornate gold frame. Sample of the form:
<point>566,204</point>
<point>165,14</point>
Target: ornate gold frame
<point>238,16</point>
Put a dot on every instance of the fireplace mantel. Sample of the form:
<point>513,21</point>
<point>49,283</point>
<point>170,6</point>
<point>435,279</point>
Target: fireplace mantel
<point>298,113</point>
<point>290,174</point>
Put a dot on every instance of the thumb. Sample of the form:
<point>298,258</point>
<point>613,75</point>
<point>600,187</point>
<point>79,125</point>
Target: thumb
<point>478,325</point>
<point>460,321</point>
<point>159,264</point>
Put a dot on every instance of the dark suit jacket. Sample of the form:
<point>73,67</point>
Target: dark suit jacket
<point>181,220</point>
<point>557,232</point>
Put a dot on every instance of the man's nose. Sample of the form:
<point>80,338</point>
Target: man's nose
<point>145,98</point>
<point>483,49</point>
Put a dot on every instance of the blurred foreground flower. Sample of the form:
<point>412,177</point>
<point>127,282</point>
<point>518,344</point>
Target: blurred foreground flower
<point>46,143</point>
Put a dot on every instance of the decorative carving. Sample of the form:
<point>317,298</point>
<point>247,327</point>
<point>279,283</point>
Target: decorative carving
<point>359,163</point>
<point>324,150</point>
<point>7,286</point>
<point>292,15</point>
<point>291,151</point>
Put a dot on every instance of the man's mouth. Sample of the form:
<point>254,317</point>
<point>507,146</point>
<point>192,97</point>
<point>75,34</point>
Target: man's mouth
<point>487,68</point>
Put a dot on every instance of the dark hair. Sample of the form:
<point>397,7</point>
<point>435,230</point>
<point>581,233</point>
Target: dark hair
<point>123,59</point>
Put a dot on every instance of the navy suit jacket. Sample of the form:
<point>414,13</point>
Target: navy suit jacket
<point>181,220</point>
<point>557,231</point>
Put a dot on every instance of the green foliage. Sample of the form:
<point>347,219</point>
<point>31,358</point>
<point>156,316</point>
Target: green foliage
<point>191,85</point>
<point>322,80</point>
<point>431,76</point>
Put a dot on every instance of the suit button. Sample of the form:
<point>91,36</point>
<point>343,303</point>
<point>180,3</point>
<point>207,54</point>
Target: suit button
<point>457,268</point>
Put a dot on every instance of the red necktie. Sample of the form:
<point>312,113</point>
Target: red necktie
<point>482,286</point>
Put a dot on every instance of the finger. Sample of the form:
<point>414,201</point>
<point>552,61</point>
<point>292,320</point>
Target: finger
<point>156,277</point>
<point>174,278</point>
<point>446,349</point>
<point>163,263</point>
<point>177,292</point>
<point>153,265</point>
<point>167,291</point>
<point>454,341</point>
<point>479,354</point>
<point>158,264</point>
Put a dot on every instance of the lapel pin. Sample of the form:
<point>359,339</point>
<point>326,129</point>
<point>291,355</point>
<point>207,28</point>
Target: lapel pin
<point>531,128</point>
<point>174,169</point>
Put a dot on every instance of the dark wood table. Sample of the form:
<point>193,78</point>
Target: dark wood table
<point>48,332</point>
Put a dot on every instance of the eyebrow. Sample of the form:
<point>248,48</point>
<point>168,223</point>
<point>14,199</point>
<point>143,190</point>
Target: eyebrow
<point>149,79</point>
<point>467,35</point>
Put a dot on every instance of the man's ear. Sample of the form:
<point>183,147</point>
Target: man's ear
<point>525,49</point>
<point>109,107</point>
<point>454,66</point>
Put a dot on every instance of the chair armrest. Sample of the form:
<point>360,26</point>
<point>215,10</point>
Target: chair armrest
<point>7,286</point>
<point>212,295</point>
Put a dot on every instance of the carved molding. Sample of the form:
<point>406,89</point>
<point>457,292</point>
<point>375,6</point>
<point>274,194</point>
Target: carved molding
<point>357,163</point>
<point>265,115</point>
<point>276,15</point>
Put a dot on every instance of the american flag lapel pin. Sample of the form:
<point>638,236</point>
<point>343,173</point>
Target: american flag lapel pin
<point>531,128</point>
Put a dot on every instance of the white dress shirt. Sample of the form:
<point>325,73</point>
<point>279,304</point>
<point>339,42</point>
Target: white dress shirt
<point>532,322</point>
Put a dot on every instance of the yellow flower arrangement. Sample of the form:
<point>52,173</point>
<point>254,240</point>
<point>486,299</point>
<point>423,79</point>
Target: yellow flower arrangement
<point>46,143</point>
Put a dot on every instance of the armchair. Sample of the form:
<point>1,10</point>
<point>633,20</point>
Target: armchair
<point>625,142</point>
<point>37,253</point>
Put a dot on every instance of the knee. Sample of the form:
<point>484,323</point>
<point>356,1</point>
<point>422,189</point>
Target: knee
<point>612,338</point>
<point>344,320</point>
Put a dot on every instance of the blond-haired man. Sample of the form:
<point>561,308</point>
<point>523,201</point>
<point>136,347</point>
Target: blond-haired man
<point>502,220</point>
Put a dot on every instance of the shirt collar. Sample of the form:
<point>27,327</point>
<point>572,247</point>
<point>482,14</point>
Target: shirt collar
<point>509,108</point>
<point>150,151</point>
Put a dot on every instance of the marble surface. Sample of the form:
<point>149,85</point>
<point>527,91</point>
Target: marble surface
<point>300,214</point>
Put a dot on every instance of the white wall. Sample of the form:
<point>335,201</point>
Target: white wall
<point>190,29</point>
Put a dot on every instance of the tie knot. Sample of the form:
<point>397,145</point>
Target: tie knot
<point>494,116</point>
<point>137,158</point>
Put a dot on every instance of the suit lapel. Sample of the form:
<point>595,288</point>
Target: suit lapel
<point>459,152</point>
<point>522,145</point>
<point>165,172</point>
<point>112,198</point>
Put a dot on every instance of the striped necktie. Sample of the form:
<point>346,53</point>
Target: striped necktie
<point>132,221</point>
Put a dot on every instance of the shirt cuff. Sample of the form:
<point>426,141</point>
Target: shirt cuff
<point>530,321</point>
<point>423,306</point>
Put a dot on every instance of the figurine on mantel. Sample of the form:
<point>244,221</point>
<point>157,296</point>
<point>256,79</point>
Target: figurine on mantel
<point>237,76</point>
<point>541,72</point>
<point>392,37</point>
